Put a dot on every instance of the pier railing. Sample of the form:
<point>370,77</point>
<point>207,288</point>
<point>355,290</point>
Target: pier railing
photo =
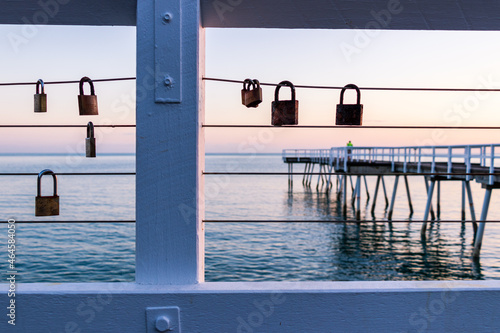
<point>470,155</point>
<point>313,155</point>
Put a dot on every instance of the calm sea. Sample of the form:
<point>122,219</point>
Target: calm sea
<point>372,250</point>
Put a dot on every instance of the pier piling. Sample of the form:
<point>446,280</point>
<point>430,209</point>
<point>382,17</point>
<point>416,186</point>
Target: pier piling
<point>482,224</point>
<point>393,200</point>
<point>428,208</point>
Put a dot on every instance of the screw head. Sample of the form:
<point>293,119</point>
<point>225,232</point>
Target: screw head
<point>168,81</point>
<point>167,17</point>
<point>162,324</point>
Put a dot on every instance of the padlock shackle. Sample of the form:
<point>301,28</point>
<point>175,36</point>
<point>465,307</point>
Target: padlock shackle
<point>249,82</point>
<point>281,84</point>
<point>350,86</point>
<point>90,130</point>
<point>86,79</point>
<point>39,181</point>
<point>38,83</point>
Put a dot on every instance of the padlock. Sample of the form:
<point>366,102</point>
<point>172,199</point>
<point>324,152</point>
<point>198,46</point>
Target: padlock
<point>349,114</point>
<point>40,98</point>
<point>46,206</point>
<point>251,95</point>
<point>87,104</point>
<point>90,141</point>
<point>285,112</point>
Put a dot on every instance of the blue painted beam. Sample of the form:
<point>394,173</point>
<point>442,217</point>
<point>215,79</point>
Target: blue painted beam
<point>320,14</point>
<point>348,14</point>
<point>67,12</point>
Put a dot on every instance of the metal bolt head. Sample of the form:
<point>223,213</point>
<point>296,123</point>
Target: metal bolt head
<point>162,324</point>
<point>168,81</point>
<point>167,17</point>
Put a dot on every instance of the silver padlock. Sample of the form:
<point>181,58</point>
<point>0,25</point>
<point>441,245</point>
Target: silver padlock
<point>40,98</point>
<point>90,141</point>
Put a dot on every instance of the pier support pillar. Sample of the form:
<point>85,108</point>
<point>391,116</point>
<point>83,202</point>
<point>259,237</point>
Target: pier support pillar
<point>471,208</point>
<point>427,190</point>
<point>309,177</point>
<point>306,169</point>
<point>329,180</point>
<point>385,193</point>
<point>367,192</point>
<point>408,195</point>
<point>482,224</point>
<point>375,194</point>
<point>428,207</point>
<point>463,201</point>
<point>438,203</point>
<point>344,197</point>
<point>358,198</point>
<point>340,183</point>
<point>393,200</point>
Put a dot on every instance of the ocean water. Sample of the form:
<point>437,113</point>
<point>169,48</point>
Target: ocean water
<point>372,250</point>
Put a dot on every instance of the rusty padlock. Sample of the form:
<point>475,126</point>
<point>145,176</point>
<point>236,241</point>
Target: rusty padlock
<point>285,112</point>
<point>40,98</point>
<point>349,114</point>
<point>251,95</point>
<point>90,141</point>
<point>46,206</point>
<point>87,104</point>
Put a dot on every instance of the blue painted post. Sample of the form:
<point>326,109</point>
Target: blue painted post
<point>170,143</point>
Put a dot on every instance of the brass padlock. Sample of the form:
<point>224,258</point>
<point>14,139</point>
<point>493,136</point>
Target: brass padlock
<point>40,98</point>
<point>90,141</point>
<point>285,112</point>
<point>87,104</point>
<point>46,206</point>
<point>251,95</point>
<point>349,114</point>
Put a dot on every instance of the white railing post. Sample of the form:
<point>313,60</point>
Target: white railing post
<point>433,165</point>
<point>492,165</point>
<point>450,160</point>
<point>392,159</point>
<point>419,166</point>
<point>468,162</point>
<point>405,156</point>
<point>345,159</point>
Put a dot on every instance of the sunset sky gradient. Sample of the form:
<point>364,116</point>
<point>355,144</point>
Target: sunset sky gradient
<point>305,57</point>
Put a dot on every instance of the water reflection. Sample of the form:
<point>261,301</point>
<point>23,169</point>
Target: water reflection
<point>381,250</point>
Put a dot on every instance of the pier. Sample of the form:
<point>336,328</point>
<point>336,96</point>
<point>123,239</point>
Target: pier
<point>464,163</point>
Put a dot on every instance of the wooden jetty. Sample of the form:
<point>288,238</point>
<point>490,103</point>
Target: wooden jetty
<point>463,163</point>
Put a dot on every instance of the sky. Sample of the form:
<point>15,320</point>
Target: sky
<point>427,59</point>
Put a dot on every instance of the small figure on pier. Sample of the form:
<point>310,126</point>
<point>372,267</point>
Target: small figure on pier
<point>349,151</point>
